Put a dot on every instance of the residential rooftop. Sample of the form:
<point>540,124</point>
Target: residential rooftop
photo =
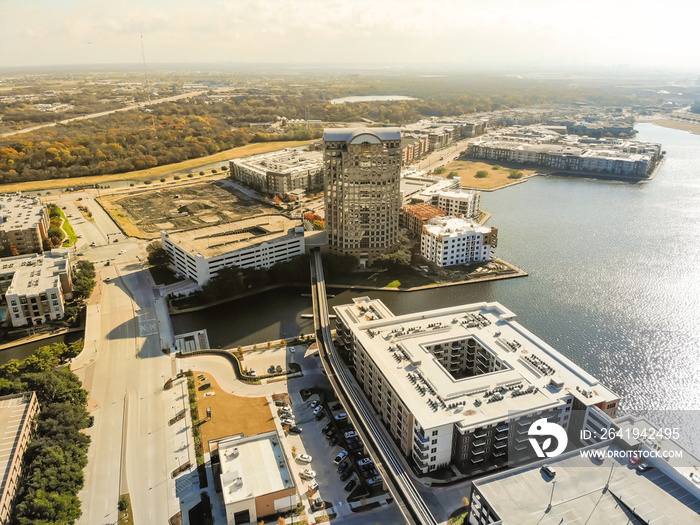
<point>18,212</point>
<point>533,376</point>
<point>253,466</point>
<point>14,416</point>
<point>290,160</point>
<point>453,226</point>
<point>212,241</point>
<point>349,134</point>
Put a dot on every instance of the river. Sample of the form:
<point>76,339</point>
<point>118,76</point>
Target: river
<point>614,280</point>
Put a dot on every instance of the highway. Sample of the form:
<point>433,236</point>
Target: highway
<point>359,411</point>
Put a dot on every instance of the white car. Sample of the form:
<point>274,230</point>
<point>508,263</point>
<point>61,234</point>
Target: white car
<point>122,252</point>
<point>292,349</point>
<point>313,486</point>
<point>340,457</point>
<point>314,403</point>
<point>307,473</point>
<point>305,458</point>
<point>318,409</point>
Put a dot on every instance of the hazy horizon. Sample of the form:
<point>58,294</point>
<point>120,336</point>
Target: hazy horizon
<point>504,34</point>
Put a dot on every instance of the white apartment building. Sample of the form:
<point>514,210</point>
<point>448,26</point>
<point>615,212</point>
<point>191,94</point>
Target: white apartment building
<point>258,242</point>
<point>36,286</point>
<point>447,241</point>
<point>466,203</point>
<point>280,171</point>
<point>462,385</point>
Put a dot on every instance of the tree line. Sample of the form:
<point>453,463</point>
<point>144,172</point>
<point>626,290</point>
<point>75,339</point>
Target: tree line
<point>57,453</point>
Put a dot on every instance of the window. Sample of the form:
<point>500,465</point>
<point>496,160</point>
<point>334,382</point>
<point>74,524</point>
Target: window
<point>435,433</point>
<point>432,458</point>
<point>433,450</point>
<point>433,442</point>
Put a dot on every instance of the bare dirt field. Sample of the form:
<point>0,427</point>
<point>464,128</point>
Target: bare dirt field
<point>230,414</point>
<point>144,214</point>
<point>497,178</point>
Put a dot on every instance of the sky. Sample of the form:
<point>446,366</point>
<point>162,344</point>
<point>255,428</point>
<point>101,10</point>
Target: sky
<point>484,33</point>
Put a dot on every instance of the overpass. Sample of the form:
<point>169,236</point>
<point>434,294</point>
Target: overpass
<point>410,502</point>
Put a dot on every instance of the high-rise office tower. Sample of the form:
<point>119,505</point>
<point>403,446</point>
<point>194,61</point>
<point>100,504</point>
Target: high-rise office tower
<point>362,172</point>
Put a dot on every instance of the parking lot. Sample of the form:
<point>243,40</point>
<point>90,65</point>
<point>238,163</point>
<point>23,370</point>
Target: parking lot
<point>261,360</point>
<point>324,439</point>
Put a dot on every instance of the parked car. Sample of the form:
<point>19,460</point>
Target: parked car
<point>320,415</point>
<point>635,459</point>
<point>346,474</point>
<point>350,485</point>
<point>364,462</point>
<point>326,428</point>
<point>330,434</point>
<point>313,486</point>
<point>317,504</point>
<point>340,457</point>
<point>315,403</point>
<point>343,467</point>
<point>694,478</point>
<point>374,481</point>
<point>252,372</point>
<point>305,458</point>
<point>295,430</point>
<point>337,406</point>
<point>307,473</point>
<point>333,442</point>
<point>643,467</point>
<point>91,421</point>
<point>318,409</point>
<point>341,417</point>
<point>287,421</point>
<point>369,473</point>
<point>549,471</point>
<point>286,410</point>
<point>350,434</point>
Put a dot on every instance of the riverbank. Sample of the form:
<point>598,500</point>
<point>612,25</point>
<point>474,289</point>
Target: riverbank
<point>507,271</point>
<point>678,124</point>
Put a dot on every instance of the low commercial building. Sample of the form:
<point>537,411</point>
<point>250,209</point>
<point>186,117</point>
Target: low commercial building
<point>255,477</point>
<point>258,242</point>
<point>465,203</point>
<point>414,216</point>
<point>461,386</point>
<point>280,171</point>
<point>447,241</point>
<point>24,223</point>
<point>17,416</point>
<point>36,286</point>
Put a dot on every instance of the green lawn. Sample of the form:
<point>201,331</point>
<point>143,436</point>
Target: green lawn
<point>67,228</point>
<point>384,279</point>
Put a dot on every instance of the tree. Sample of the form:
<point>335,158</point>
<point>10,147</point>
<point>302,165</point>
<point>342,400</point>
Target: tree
<point>481,174</point>
<point>123,504</point>
<point>452,175</point>
<point>515,174</point>
<point>157,255</point>
<point>440,170</point>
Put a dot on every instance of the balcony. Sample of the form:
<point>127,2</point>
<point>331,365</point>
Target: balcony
<point>502,427</point>
<point>500,445</point>
<point>422,446</point>
<point>478,434</point>
<point>421,437</point>
<point>478,452</point>
<point>423,456</point>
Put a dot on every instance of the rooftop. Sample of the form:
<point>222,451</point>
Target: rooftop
<point>253,466</point>
<point>35,273</point>
<point>18,212</point>
<point>217,240</point>
<point>290,160</point>
<point>578,495</point>
<point>13,416</point>
<point>523,384</point>
<point>424,211</point>
<point>359,135</point>
<point>451,226</point>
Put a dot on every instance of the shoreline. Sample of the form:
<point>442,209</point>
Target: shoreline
<point>512,273</point>
<point>680,125</point>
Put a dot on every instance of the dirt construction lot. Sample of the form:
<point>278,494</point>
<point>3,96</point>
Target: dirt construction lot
<point>229,414</point>
<point>146,213</point>
<point>496,178</point>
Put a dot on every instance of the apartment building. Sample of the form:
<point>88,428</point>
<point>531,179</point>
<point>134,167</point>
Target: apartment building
<point>415,216</point>
<point>465,203</point>
<point>413,148</point>
<point>540,146</point>
<point>24,223</point>
<point>362,191</point>
<point>460,386</point>
<point>17,416</point>
<point>36,286</point>
<point>280,171</point>
<point>257,242</point>
<point>255,477</point>
<point>447,241</point>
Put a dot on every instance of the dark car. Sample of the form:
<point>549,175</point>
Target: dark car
<point>326,428</point>
<point>295,430</point>
<point>333,441</point>
<point>320,416</point>
<point>342,467</point>
<point>643,467</point>
<point>369,473</point>
<point>345,475</point>
<point>330,434</point>
<point>350,485</point>
<point>337,406</point>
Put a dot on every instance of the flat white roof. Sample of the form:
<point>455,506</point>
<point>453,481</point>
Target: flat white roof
<point>527,361</point>
<point>18,212</point>
<point>453,226</point>
<point>253,466</point>
<point>348,134</point>
<point>35,273</point>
